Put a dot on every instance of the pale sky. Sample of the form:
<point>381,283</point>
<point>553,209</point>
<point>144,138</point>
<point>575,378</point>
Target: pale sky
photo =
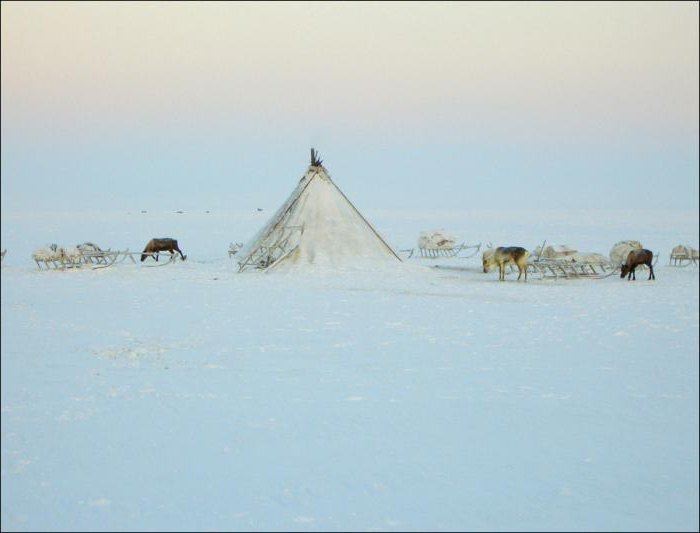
<point>411,105</point>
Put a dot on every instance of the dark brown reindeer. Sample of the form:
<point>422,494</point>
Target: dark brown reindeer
<point>161,245</point>
<point>634,259</point>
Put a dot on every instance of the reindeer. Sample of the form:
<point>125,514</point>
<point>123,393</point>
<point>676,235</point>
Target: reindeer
<point>504,255</point>
<point>634,259</point>
<point>164,244</point>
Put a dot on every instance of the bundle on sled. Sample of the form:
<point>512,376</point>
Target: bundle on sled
<point>54,257</point>
<point>621,250</point>
<point>563,261</point>
<point>683,255</point>
<point>92,254</point>
<point>439,243</point>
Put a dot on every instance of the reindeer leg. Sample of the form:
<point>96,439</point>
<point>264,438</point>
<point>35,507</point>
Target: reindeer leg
<point>522,269</point>
<point>651,272</point>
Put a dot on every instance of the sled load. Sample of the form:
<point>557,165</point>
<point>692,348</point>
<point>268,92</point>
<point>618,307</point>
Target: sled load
<point>683,255</point>
<point>317,224</point>
<point>557,251</point>
<point>439,243</point>
<point>621,249</point>
<point>56,257</point>
<point>563,262</point>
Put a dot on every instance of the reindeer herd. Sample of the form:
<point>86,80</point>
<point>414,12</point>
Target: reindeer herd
<point>627,255</point>
<point>518,256</point>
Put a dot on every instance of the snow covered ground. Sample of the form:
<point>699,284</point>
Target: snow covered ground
<point>190,397</point>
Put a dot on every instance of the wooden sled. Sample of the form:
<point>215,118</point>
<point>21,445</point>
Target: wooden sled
<point>266,256</point>
<point>59,263</point>
<point>104,258</point>
<point>461,251</point>
<point>92,259</point>
<point>100,259</point>
<point>570,267</point>
<point>687,257</point>
<point>565,269</point>
<point>112,258</point>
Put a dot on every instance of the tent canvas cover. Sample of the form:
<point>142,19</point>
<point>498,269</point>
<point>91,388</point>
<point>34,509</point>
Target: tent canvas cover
<point>317,224</point>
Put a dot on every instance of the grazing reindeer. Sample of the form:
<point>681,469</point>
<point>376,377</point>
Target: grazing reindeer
<point>634,259</point>
<point>504,255</point>
<point>161,245</point>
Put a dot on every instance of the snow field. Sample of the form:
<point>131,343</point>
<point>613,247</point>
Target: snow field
<point>190,397</point>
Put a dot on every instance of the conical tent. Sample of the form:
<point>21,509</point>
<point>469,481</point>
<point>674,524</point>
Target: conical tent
<point>317,224</point>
